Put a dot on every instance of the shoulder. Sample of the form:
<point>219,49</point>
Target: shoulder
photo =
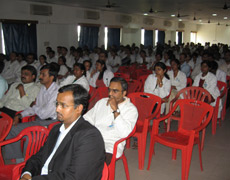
<point>182,74</point>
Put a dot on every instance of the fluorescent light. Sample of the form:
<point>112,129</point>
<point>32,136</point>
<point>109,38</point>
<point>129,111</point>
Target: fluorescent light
<point>173,15</point>
<point>225,17</point>
<point>200,20</point>
<point>145,14</point>
<point>214,14</point>
<point>180,20</point>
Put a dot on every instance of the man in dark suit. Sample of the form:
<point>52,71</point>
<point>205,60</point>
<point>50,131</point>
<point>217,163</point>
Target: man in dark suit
<point>74,149</point>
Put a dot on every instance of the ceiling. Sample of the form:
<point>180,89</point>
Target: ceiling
<point>202,10</point>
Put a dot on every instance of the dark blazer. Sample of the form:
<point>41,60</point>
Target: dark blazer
<point>80,156</point>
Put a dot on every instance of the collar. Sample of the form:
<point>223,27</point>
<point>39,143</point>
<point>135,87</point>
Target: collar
<point>63,130</point>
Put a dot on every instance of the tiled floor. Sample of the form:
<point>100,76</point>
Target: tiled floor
<point>216,159</point>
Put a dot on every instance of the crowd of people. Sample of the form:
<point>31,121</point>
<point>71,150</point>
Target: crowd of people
<point>56,86</point>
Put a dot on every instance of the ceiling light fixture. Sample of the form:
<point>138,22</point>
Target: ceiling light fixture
<point>200,20</point>
<point>173,15</point>
<point>145,14</point>
<point>180,20</point>
<point>225,17</point>
<point>214,14</point>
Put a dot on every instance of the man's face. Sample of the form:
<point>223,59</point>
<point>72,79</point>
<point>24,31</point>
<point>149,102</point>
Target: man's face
<point>227,57</point>
<point>182,58</point>
<point>77,72</point>
<point>102,57</point>
<point>66,112</point>
<point>45,78</point>
<point>63,52</point>
<point>115,90</point>
<point>13,56</point>
<point>27,77</point>
<point>30,59</point>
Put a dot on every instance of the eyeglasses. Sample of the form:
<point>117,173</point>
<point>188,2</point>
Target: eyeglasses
<point>62,105</point>
<point>114,90</point>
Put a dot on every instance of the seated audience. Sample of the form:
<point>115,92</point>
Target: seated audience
<point>51,57</point>
<point>158,83</point>
<point>21,94</point>
<point>43,108</point>
<point>225,66</point>
<point>208,81</point>
<point>101,76</point>
<point>74,149</point>
<point>114,60</point>
<point>63,72</point>
<point>3,82</point>
<point>185,68</point>
<point>78,77</point>
<point>115,116</point>
<point>178,81</point>
<point>220,75</point>
<point>30,59</point>
<point>11,69</point>
<point>88,68</point>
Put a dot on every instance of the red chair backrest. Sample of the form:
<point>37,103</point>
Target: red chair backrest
<point>133,86</point>
<point>123,75</point>
<point>228,81</point>
<point>123,69</point>
<point>140,72</point>
<point>222,86</point>
<point>196,93</point>
<point>193,113</point>
<point>145,104</point>
<point>142,79</point>
<point>6,124</point>
<point>52,125</point>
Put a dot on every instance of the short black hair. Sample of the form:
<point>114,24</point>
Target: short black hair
<point>32,69</point>
<point>2,65</point>
<point>121,80</point>
<point>176,61</point>
<point>80,95</point>
<point>81,66</point>
<point>52,70</point>
<point>207,62</point>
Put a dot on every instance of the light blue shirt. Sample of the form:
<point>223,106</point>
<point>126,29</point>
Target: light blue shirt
<point>3,86</point>
<point>185,68</point>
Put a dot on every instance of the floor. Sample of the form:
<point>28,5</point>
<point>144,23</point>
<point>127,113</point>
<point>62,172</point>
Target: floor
<point>215,156</point>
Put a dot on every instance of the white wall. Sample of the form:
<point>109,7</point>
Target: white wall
<point>213,33</point>
<point>61,27</point>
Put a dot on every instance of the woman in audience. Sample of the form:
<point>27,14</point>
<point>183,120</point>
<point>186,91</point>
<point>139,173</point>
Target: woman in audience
<point>208,81</point>
<point>63,72</point>
<point>78,77</point>
<point>88,68</point>
<point>114,60</point>
<point>159,83</point>
<point>101,76</point>
<point>42,62</point>
<point>178,80</point>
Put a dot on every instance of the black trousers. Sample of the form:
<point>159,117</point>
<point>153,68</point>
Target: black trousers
<point>8,111</point>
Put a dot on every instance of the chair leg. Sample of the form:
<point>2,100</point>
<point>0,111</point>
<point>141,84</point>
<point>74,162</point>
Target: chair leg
<point>140,153</point>
<point>168,124</point>
<point>202,139</point>
<point>128,143</point>
<point>183,164</point>
<point>188,161</point>
<point>151,152</point>
<point>111,168</point>
<point>214,120</point>
<point>124,159</point>
<point>201,166</point>
<point>174,154</point>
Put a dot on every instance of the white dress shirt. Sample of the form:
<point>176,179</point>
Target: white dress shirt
<point>71,80</point>
<point>11,71</point>
<point>3,87</point>
<point>108,75</point>
<point>45,103</point>
<point>179,81</point>
<point>101,116</point>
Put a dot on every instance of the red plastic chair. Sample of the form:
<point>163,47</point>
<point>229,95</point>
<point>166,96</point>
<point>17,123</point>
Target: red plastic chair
<point>112,164</point>
<point>6,124</point>
<point>123,69</point>
<point>52,125</point>
<point>145,104</point>
<point>123,75</point>
<point>223,92</point>
<point>192,92</point>
<point>140,72</point>
<point>133,86</point>
<point>228,81</point>
<point>36,138</point>
<point>189,82</point>
<point>100,93</point>
<point>27,118</point>
<point>195,116</point>
<point>142,79</point>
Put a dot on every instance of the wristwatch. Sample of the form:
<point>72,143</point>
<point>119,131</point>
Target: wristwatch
<point>118,111</point>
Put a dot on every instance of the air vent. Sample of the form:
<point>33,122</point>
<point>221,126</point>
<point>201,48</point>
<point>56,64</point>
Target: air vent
<point>167,23</point>
<point>148,21</point>
<point>125,19</point>
<point>40,10</point>
<point>181,25</point>
<point>92,15</point>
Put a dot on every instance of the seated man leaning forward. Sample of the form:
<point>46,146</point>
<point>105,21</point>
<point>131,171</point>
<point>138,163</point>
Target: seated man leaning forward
<point>115,116</point>
<point>74,149</point>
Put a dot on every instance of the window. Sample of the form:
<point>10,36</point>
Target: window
<point>112,36</point>
<point>179,37</point>
<point>193,36</point>
<point>156,37</point>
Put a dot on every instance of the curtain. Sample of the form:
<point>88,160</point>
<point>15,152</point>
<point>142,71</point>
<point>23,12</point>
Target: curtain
<point>161,37</point>
<point>179,38</point>
<point>21,38</point>
<point>89,36</point>
<point>114,37</point>
<point>148,38</point>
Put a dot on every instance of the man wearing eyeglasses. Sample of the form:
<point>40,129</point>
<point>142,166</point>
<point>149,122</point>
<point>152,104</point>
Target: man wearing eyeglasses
<point>74,149</point>
<point>115,116</point>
